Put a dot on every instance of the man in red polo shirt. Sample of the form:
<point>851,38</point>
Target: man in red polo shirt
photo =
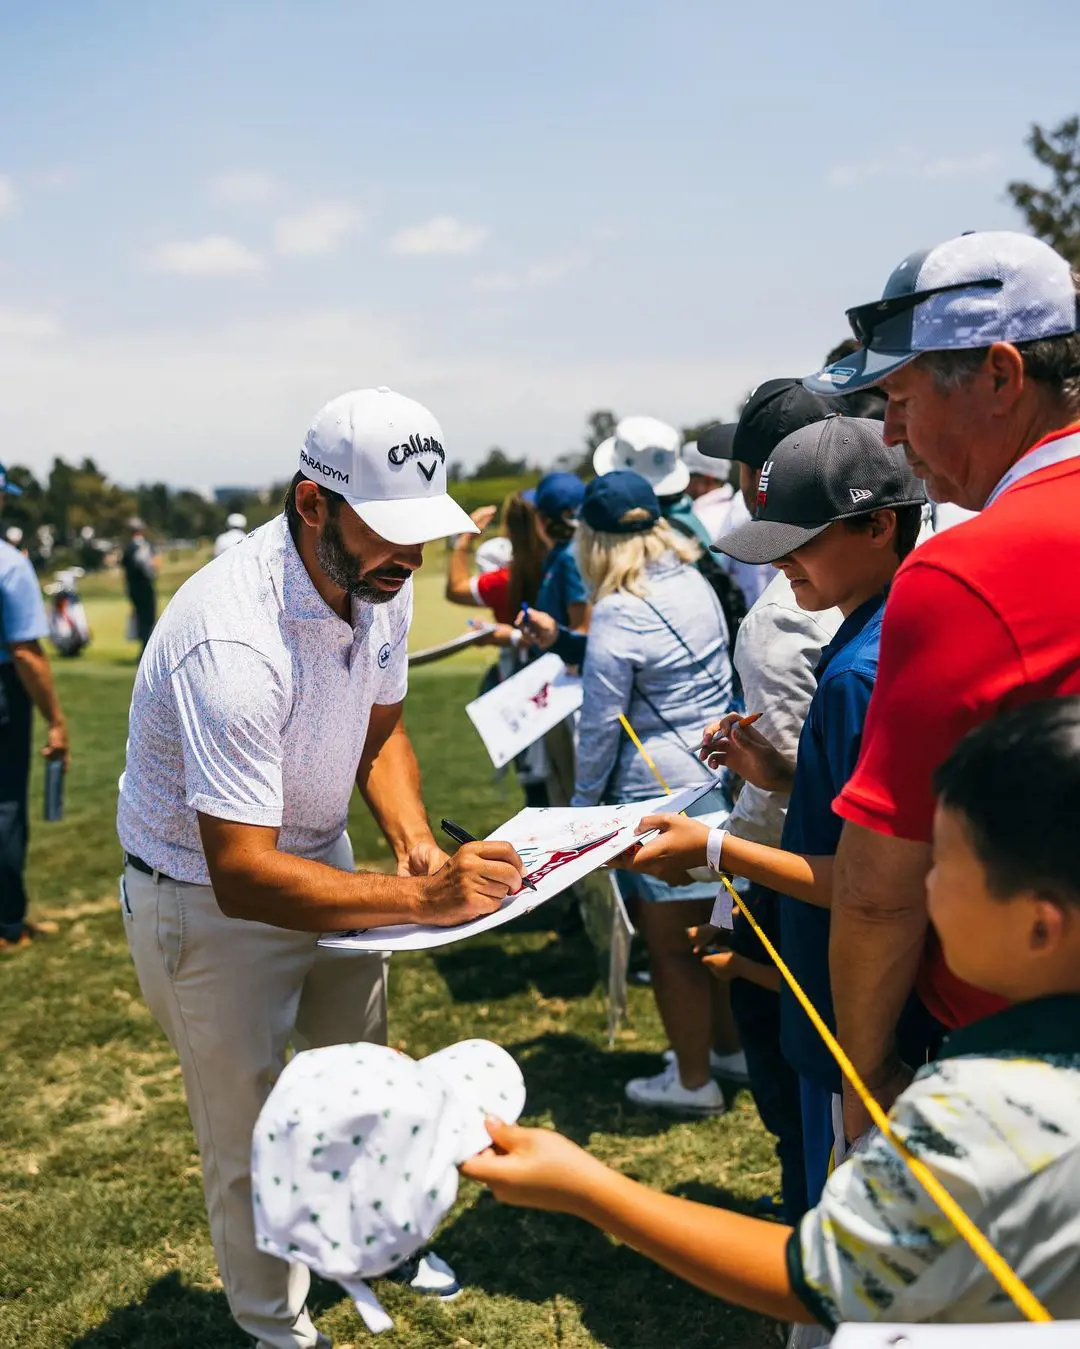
<point>975,343</point>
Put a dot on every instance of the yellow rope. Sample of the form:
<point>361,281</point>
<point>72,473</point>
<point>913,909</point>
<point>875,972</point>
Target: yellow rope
<point>1012,1284</point>
<point>644,753</point>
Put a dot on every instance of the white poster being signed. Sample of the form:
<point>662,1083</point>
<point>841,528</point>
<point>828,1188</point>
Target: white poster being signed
<point>521,709</point>
<point>558,846</point>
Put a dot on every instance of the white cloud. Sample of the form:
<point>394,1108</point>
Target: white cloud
<point>244,187</point>
<point>442,235</point>
<point>970,166</point>
<point>9,198</point>
<point>322,228</point>
<point>27,324</point>
<point>214,255</point>
<point>57,179</point>
<point>529,278</point>
<point>906,163</point>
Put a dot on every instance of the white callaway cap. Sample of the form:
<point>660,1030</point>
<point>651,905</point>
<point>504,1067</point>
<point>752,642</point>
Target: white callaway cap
<point>649,447</point>
<point>982,287</point>
<point>354,1156</point>
<point>384,454</point>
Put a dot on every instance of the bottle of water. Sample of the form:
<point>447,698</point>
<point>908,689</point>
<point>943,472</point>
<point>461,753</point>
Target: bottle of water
<point>54,789</point>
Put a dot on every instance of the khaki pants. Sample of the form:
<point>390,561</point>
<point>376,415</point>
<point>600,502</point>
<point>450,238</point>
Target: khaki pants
<point>231,995</point>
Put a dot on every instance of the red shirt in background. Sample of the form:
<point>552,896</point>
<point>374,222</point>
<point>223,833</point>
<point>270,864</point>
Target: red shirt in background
<point>493,590</point>
<point>980,619</point>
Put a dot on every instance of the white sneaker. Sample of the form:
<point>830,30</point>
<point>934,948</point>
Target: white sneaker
<point>666,1092</point>
<point>429,1275</point>
<point>730,1067</point>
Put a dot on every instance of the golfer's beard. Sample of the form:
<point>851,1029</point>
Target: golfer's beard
<point>346,570</point>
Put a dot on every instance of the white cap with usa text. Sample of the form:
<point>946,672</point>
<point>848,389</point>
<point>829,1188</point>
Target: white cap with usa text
<point>384,454</point>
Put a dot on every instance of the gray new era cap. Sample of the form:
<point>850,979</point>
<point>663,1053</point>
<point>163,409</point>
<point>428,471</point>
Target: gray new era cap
<point>828,471</point>
<point>983,287</point>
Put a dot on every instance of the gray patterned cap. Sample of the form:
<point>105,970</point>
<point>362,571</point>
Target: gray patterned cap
<point>983,287</point>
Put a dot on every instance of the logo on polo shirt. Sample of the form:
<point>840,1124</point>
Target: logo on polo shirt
<point>317,467</point>
<point>384,656</point>
<point>763,484</point>
<point>860,494</point>
<point>415,447</point>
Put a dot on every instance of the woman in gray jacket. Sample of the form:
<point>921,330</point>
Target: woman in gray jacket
<point>657,652</point>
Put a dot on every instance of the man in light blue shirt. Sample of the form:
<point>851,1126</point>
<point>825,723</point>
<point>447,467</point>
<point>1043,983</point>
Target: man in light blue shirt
<point>25,681</point>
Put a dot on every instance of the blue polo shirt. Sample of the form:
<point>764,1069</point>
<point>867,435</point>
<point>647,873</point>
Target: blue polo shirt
<point>828,751</point>
<point>22,610</point>
<point>560,583</point>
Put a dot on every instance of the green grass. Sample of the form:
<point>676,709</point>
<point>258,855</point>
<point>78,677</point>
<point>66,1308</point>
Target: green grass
<point>103,1239</point>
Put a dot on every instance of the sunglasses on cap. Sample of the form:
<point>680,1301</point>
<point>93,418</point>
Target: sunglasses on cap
<point>875,324</point>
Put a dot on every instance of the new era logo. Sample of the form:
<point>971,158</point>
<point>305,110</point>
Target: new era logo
<point>860,494</point>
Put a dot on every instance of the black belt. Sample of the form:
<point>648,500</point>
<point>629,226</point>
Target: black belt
<point>147,870</point>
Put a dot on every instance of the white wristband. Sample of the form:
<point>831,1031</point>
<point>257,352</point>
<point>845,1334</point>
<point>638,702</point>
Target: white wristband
<point>714,847</point>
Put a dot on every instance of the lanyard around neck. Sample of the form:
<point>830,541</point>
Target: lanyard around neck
<point>1056,451</point>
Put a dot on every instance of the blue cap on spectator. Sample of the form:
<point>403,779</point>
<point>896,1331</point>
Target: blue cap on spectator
<point>558,493</point>
<point>621,502</point>
<point>8,487</point>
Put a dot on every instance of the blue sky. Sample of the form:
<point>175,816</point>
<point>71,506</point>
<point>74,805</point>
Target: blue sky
<point>216,216</point>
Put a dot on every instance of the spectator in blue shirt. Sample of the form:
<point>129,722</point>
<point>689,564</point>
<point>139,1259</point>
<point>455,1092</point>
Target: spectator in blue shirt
<point>837,511</point>
<point>563,596</point>
<point>562,592</point>
<point>25,681</point>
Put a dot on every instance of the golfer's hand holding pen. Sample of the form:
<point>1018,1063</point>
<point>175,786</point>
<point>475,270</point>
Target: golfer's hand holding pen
<point>732,742</point>
<point>472,884</point>
<point>488,860</point>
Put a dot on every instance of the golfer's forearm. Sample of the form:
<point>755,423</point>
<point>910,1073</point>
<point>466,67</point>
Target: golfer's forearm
<point>742,1260</point>
<point>390,784</point>
<point>304,896</point>
<point>878,931</point>
<point>32,667</point>
<point>795,874</point>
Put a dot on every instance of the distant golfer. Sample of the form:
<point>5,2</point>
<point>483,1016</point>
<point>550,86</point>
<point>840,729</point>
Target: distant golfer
<point>140,578</point>
<point>235,530</point>
<point>272,685</point>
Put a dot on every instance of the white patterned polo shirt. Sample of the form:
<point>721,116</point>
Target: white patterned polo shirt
<point>252,704</point>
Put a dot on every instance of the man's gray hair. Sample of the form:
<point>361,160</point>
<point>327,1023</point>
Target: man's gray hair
<point>1050,361</point>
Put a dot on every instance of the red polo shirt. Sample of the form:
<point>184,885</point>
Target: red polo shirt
<point>492,589</point>
<point>980,619</point>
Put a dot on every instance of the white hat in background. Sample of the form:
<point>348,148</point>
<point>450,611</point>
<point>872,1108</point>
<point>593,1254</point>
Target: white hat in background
<point>355,1154</point>
<point>494,554</point>
<point>648,447</point>
<point>384,454</point>
<point>236,521</point>
<point>705,465</point>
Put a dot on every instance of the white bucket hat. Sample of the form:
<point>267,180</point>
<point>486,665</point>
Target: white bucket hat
<point>649,447</point>
<point>355,1154</point>
<point>384,454</point>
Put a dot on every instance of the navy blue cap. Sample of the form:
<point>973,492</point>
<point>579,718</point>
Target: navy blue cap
<point>620,503</point>
<point>9,487</point>
<point>557,493</point>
